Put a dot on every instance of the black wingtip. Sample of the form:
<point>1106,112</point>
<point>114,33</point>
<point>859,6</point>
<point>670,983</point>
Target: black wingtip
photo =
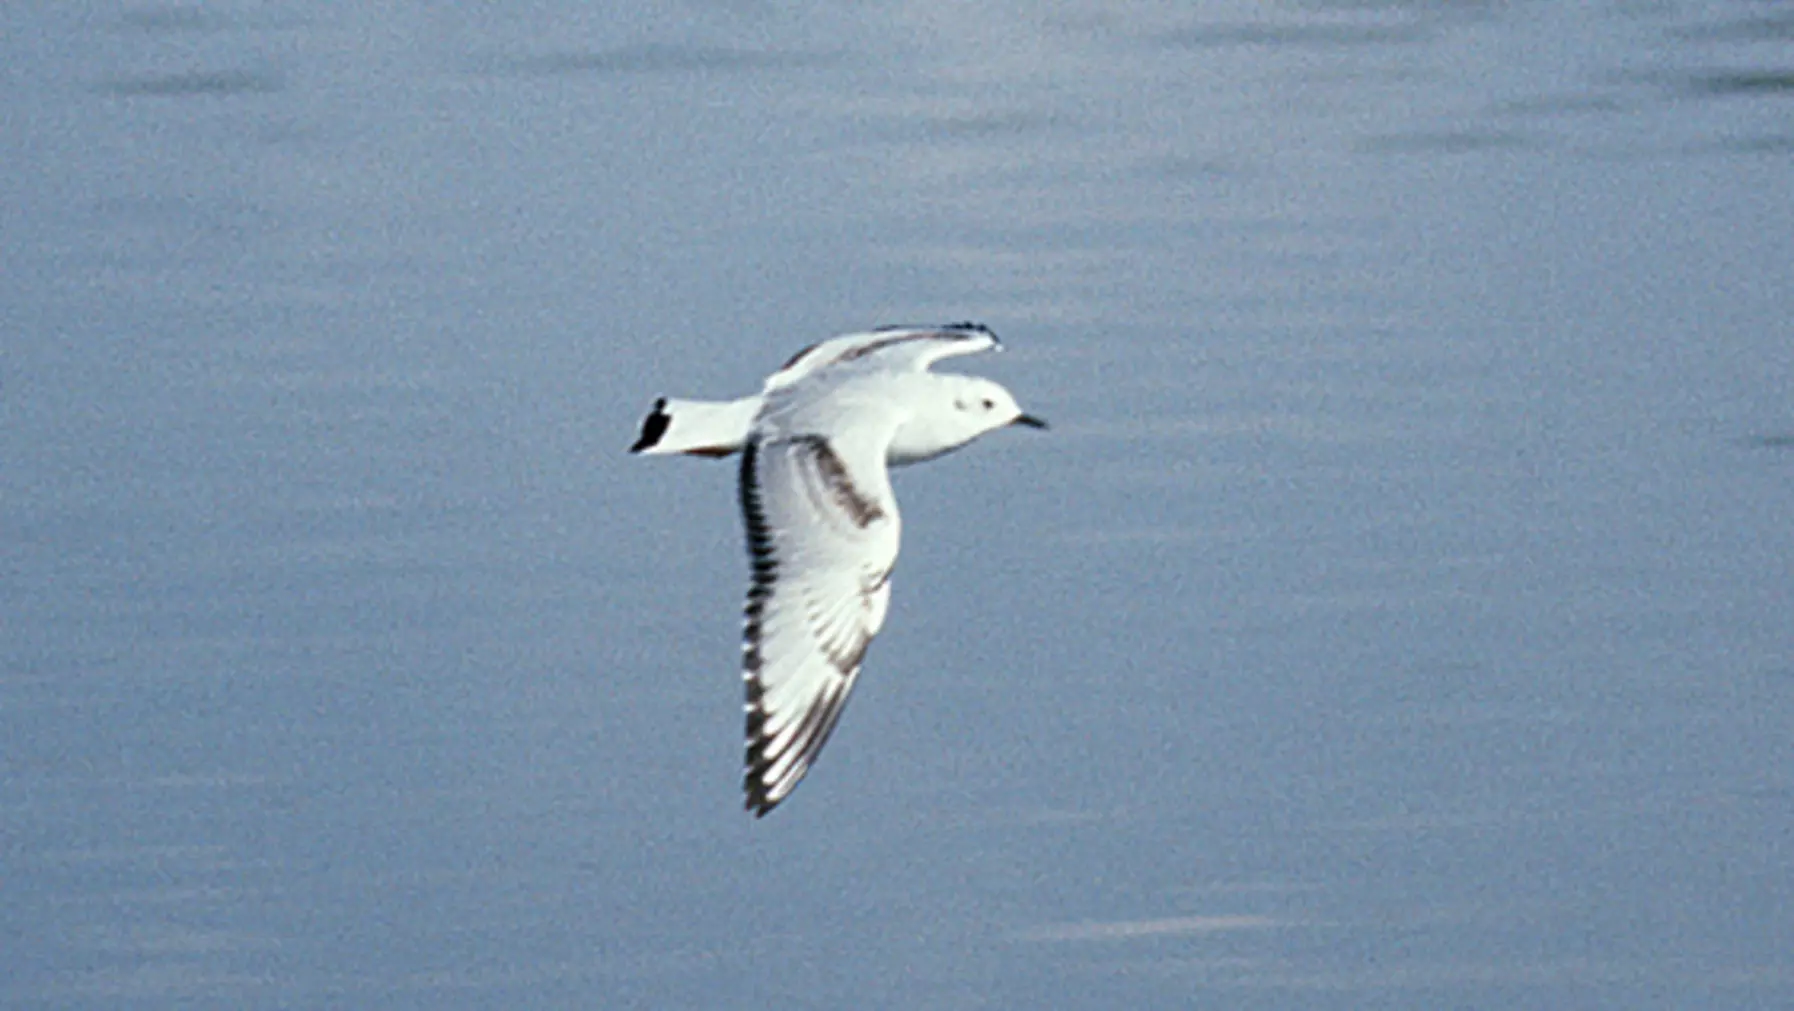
<point>963,326</point>
<point>970,327</point>
<point>758,804</point>
<point>976,329</point>
<point>653,427</point>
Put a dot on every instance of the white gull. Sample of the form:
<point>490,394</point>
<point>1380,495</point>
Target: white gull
<point>822,525</point>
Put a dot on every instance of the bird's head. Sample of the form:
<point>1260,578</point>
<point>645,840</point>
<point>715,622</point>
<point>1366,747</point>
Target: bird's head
<point>984,406</point>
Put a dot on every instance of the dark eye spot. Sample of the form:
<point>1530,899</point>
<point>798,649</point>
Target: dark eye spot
<point>989,403</point>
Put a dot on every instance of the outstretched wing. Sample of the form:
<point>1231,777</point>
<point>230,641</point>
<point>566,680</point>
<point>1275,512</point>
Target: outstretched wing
<point>911,348</point>
<point>822,535</point>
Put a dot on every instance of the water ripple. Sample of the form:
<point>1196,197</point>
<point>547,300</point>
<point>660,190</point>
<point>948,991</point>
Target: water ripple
<point>649,59</point>
<point>1730,83</point>
<point>1312,36</point>
<point>195,83</point>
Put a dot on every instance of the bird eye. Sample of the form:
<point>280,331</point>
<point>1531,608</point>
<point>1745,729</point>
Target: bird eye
<point>989,403</point>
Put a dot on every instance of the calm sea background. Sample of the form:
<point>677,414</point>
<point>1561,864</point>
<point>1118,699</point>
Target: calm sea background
<point>1397,615</point>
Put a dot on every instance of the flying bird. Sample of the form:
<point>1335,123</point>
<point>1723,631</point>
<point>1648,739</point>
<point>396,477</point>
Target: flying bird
<point>816,445</point>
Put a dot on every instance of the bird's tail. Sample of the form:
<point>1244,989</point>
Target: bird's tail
<point>696,427</point>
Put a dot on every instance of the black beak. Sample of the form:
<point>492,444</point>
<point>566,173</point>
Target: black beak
<point>1029,420</point>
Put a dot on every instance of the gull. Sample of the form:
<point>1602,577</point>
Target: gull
<point>816,445</point>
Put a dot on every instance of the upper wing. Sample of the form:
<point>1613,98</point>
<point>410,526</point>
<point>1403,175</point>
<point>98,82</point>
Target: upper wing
<point>896,347</point>
<point>822,534</point>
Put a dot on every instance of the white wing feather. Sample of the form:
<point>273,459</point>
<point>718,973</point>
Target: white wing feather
<point>897,348</point>
<point>822,532</point>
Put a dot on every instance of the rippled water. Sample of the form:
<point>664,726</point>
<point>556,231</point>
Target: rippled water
<point>1395,616</point>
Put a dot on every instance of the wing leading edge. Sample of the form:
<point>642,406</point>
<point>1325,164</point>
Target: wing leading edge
<point>897,347</point>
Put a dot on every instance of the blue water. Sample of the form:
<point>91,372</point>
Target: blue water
<point>1395,616</point>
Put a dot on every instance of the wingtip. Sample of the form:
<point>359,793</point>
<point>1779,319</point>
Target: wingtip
<point>759,801</point>
<point>973,328</point>
<point>964,326</point>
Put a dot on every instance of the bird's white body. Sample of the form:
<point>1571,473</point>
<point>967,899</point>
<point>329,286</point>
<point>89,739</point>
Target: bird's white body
<point>880,367</point>
<point>822,523</point>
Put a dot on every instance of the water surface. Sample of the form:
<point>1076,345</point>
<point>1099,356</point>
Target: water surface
<point>1395,615</point>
